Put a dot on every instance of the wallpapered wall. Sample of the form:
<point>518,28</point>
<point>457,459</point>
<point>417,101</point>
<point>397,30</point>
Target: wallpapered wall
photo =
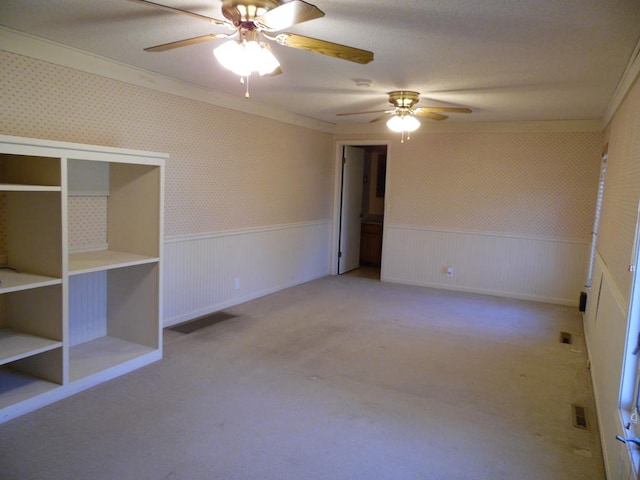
<point>531,184</point>
<point>622,191</point>
<point>511,212</point>
<point>227,169</point>
<point>611,327</point>
<point>231,170</point>
<point>518,183</point>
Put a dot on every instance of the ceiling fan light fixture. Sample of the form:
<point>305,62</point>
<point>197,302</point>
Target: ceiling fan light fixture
<point>254,23</point>
<point>403,123</point>
<point>244,57</point>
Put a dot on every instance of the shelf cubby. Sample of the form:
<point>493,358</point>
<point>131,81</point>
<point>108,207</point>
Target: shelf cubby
<point>133,211</point>
<point>28,171</point>
<point>34,235</point>
<point>101,354</point>
<point>117,322</point>
<point>30,323</point>
<point>19,384</point>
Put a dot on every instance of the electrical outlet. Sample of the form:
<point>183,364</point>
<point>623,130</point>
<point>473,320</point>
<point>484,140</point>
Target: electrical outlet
<point>236,284</point>
<point>449,271</point>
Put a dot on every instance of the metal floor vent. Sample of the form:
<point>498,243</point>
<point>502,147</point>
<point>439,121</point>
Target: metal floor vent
<point>565,337</point>
<point>198,323</point>
<point>579,415</point>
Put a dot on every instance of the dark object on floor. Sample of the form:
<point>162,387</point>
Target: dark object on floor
<point>198,323</point>
<point>565,337</point>
<point>583,301</point>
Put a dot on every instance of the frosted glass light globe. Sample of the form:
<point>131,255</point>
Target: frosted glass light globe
<point>403,123</point>
<point>246,57</point>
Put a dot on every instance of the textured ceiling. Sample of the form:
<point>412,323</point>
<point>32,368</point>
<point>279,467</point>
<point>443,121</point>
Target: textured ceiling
<point>515,60</point>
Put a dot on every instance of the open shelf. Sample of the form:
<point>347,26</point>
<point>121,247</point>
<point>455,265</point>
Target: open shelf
<point>11,281</point>
<point>37,171</point>
<point>16,387</point>
<point>70,320</point>
<point>16,345</point>
<point>102,353</point>
<point>88,262</point>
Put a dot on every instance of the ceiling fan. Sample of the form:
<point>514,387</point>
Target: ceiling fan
<point>403,102</point>
<point>402,117</point>
<point>250,21</point>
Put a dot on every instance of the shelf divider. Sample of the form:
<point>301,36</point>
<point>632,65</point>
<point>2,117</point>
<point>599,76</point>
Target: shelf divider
<point>88,262</point>
<point>16,345</point>
<point>12,187</point>
<point>11,281</point>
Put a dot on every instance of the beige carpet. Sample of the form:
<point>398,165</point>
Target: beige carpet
<point>340,378</point>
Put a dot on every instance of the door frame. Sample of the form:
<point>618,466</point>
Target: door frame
<point>337,191</point>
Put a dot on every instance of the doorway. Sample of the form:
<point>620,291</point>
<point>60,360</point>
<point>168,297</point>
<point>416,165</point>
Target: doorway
<point>360,193</point>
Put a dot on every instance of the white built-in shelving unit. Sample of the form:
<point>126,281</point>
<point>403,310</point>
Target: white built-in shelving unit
<point>72,319</point>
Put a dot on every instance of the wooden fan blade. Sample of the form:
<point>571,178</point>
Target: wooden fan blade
<point>326,48</point>
<point>360,113</point>
<point>288,14</point>
<point>431,115</point>
<point>214,21</point>
<point>442,109</point>
<point>383,117</point>
<point>186,42</point>
<point>232,13</point>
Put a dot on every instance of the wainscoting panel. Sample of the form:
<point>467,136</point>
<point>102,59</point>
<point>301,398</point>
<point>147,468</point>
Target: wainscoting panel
<point>206,273</point>
<point>532,268</point>
<point>605,325</point>
<point>87,307</point>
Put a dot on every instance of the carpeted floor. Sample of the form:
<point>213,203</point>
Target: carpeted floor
<point>340,378</point>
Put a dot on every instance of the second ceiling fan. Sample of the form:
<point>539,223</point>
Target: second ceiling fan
<point>252,20</point>
<point>403,102</point>
<point>402,117</point>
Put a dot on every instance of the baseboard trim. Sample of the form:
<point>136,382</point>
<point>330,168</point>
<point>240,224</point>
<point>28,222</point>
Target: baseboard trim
<point>493,293</point>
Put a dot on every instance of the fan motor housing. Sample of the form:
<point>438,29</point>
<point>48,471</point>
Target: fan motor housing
<point>265,4</point>
<point>403,98</point>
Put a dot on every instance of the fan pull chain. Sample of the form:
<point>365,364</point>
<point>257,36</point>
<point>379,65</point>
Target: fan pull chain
<point>245,81</point>
<point>402,136</point>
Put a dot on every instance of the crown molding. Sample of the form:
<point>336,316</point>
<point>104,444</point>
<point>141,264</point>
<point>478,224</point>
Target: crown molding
<point>628,79</point>
<point>35,47</point>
